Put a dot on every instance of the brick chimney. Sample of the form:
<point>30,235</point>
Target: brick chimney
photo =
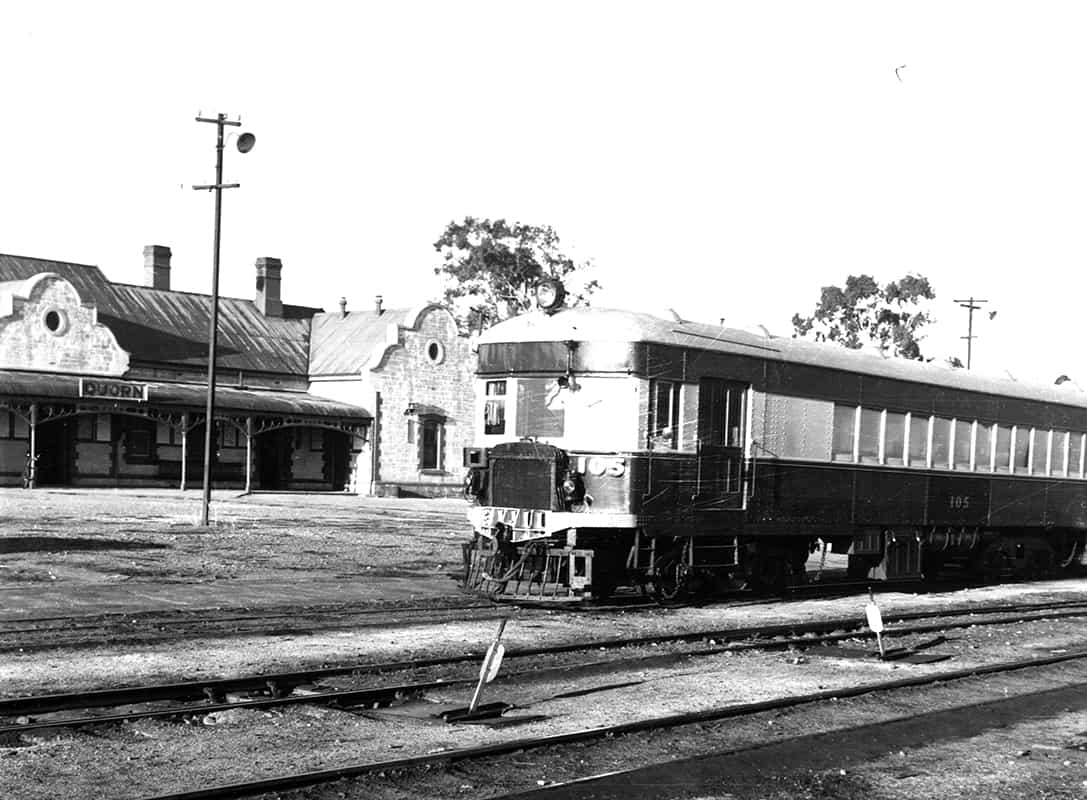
<point>343,307</point>
<point>268,281</point>
<point>377,305</point>
<point>156,266</point>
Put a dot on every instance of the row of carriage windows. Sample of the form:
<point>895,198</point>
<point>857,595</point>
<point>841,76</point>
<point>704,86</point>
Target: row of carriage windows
<point>875,436</point>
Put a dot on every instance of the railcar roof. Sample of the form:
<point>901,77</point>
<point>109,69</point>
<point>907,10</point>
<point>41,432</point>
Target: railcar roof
<point>614,325</point>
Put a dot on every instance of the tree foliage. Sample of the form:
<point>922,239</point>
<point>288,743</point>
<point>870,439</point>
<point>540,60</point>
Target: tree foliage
<point>890,317</point>
<point>491,267</point>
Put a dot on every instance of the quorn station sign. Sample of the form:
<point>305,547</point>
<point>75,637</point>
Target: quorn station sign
<point>113,390</point>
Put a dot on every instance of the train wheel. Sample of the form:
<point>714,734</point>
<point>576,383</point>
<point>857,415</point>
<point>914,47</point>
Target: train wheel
<point>672,575</point>
<point>672,582</point>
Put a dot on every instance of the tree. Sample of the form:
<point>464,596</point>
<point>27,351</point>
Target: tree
<point>890,316</point>
<point>491,267</point>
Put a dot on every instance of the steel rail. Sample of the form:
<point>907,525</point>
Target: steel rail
<point>281,682</point>
<point>384,695</point>
<point>301,780</point>
<point>120,619</point>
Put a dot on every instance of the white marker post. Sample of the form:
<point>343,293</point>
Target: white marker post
<point>875,620</point>
<point>491,662</point>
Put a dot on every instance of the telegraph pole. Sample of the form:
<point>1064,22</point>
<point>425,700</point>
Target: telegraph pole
<point>971,306</point>
<point>245,144</point>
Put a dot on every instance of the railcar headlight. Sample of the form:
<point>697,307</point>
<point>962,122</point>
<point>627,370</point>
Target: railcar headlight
<point>572,488</point>
<point>549,294</point>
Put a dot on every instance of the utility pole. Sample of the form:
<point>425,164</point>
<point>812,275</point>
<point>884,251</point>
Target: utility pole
<point>245,144</point>
<point>969,337</point>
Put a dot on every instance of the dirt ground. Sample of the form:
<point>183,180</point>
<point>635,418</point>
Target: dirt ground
<point>64,552</point>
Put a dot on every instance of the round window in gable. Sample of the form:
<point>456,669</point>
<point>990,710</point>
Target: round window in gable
<point>435,352</point>
<point>55,321</point>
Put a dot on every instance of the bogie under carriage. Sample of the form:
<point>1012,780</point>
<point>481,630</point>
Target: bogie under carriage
<point>619,449</point>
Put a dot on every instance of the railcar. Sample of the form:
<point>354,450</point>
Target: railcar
<point>621,449</point>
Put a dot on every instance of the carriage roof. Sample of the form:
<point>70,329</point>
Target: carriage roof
<point>613,325</point>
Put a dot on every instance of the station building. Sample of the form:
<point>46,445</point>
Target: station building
<point>105,384</point>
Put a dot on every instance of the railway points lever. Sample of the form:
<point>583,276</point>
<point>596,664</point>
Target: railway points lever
<point>875,621</point>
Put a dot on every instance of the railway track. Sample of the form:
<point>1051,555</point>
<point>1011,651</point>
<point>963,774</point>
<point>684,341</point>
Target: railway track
<point>46,633</point>
<point>444,758</point>
<point>35,634</point>
<point>278,689</point>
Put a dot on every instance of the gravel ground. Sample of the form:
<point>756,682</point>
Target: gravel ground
<point>265,547</point>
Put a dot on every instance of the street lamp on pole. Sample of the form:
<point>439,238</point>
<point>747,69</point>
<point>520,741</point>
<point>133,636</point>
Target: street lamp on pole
<point>245,144</point>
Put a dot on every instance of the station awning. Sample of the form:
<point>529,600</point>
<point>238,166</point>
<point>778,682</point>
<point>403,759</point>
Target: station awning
<point>123,393</point>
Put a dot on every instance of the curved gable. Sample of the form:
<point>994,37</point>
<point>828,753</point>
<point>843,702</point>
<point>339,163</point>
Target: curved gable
<point>45,325</point>
<point>412,321</point>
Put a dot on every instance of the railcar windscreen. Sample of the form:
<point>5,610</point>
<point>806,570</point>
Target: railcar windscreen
<point>596,413</point>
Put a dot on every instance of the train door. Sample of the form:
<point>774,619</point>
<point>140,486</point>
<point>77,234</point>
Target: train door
<point>721,420</point>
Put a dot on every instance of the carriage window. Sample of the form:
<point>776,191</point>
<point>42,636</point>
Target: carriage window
<point>941,443</point>
<point>983,448</point>
<point>1059,454</point>
<point>663,414</point>
<point>1075,455</point>
<point>868,440</point>
<point>845,427</point>
<point>734,415</point>
<point>1003,448</point>
<point>494,410</point>
<point>918,440</point>
<point>1020,449</point>
<point>894,438</point>
<point>964,432</point>
<point>1039,452</point>
<point>537,412</point>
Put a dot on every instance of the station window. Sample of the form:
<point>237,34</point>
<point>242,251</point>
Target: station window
<point>663,415</point>
<point>139,439</point>
<point>494,409</point>
<point>963,444</point>
<point>983,448</point>
<point>431,436</point>
<point>845,430</point>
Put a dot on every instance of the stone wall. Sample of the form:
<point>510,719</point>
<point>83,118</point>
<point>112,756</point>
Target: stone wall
<point>431,373</point>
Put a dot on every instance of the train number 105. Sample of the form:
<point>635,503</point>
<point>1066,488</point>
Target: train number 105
<point>958,502</point>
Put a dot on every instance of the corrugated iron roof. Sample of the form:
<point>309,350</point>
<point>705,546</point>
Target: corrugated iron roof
<point>342,345</point>
<point>160,325</point>
<point>51,386</point>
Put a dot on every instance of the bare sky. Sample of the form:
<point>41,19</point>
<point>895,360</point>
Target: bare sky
<point>722,159</point>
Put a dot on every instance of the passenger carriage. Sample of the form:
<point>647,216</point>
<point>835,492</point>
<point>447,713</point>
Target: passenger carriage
<point>617,449</point>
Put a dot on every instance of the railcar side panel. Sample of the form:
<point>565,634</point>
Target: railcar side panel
<point>889,497</point>
<point>1066,505</point>
<point>1017,502</point>
<point>957,500</point>
<point>804,494</point>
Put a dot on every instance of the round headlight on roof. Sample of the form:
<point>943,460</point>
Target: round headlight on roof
<point>549,294</point>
